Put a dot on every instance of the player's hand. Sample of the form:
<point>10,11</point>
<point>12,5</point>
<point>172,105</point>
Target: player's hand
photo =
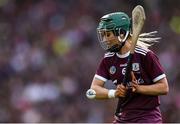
<point>121,91</point>
<point>134,84</point>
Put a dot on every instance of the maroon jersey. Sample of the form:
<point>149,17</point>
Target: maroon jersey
<point>147,70</point>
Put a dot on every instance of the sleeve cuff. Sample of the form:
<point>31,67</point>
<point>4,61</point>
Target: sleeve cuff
<point>159,77</point>
<point>100,78</point>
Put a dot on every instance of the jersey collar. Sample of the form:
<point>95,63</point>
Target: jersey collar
<point>123,55</point>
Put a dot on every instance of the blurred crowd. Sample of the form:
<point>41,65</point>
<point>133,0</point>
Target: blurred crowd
<point>49,53</point>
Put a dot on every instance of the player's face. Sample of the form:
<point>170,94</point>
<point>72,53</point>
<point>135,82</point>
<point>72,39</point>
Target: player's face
<point>108,38</point>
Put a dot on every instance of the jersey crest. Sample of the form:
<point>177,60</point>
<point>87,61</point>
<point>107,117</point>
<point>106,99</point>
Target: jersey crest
<point>112,70</point>
<point>135,67</point>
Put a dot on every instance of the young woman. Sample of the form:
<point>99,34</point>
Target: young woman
<point>149,80</point>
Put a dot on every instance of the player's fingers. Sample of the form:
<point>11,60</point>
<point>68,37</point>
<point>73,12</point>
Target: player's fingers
<point>133,89</point>
<point>121,91</point>
<point>121,87</point>
<point>121,94</point>
<point>134,82</point>
<point>134,85</point>
<point>133,76</point>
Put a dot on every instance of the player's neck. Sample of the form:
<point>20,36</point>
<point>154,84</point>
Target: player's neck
<point>125,48</point>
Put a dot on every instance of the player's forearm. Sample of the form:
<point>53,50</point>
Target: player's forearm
<point>154,89</point>
<point>101,92</point>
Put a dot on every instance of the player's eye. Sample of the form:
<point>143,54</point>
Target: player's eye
<point>108,34</point>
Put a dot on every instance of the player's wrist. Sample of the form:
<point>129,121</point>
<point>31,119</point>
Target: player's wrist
<point>140,89</point>
<point>111,93</point>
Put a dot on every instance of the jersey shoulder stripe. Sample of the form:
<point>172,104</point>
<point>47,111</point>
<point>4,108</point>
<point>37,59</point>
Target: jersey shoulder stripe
<point>141,50</point>
<point>109,54</point>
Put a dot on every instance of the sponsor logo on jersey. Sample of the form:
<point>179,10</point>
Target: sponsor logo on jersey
<point>139,81</point>
<point>123,65</point>
<point>112,70</point>
<point>135,66</point>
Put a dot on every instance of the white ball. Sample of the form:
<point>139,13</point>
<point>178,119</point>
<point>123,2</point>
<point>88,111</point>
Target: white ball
<point>91,94</point>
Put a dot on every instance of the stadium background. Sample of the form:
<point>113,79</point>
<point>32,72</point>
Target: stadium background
<point>49,53</point>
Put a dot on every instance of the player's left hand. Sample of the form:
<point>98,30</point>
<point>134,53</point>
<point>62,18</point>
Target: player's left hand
<point>134,83</point>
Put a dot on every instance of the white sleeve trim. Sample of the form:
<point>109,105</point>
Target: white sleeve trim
<point>100,78</point>
<point>159,78</point>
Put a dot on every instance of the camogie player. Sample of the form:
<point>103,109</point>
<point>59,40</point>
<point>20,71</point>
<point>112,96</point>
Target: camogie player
<point>148,77</point>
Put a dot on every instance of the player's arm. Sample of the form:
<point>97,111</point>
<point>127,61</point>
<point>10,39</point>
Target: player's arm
<point>98,86</point>
<point>102,93</point>
<point>159,88</point>
<point>156,73</point>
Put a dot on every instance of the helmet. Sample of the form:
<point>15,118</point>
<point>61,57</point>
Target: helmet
<point>118,23</point>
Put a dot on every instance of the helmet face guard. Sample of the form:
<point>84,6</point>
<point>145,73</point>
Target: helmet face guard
<point>106,41</point>
<point>116,23</point>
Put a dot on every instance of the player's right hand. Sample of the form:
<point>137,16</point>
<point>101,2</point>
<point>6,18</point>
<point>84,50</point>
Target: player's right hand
<point>121,91</point>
